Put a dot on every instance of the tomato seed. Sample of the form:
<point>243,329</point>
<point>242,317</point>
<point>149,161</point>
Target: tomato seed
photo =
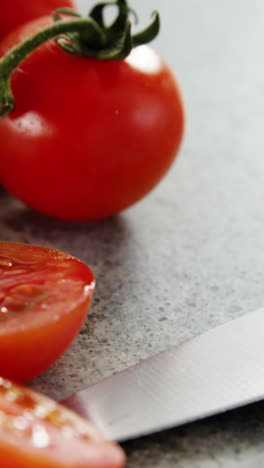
<point>14,272</point>
<point>26,290</point>
<point>5,262</point>
<point>13,304</point>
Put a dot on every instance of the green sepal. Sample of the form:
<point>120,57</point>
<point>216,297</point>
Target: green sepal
<point>65,11</point>
<point>149,33</point>
<point>113,42</point>
<point>97,12</point>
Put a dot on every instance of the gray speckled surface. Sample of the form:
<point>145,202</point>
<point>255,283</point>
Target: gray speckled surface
<point>191,255</point>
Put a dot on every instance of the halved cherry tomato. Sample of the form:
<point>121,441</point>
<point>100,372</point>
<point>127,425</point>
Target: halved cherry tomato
<point>17,12</point>
<point>88,137</point>
<point>36,432</point>
<point>44,297</point>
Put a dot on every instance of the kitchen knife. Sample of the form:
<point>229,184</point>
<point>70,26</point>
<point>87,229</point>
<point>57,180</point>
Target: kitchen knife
<point>217,371</point>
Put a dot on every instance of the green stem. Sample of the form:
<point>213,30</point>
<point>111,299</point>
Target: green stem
<point>78,36</point>
<point>9,63</point>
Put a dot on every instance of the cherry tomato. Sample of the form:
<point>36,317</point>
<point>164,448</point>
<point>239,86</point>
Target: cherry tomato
<point>44,297</point>
<point>17,12</point>
<point>36,432</point>
<point>88,137</point>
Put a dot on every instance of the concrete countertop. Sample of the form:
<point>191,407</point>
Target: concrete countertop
<point>191,255</point>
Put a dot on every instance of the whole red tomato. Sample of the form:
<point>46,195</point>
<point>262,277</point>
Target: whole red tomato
<point>17,12</point>
<point>44,297</point>
<point>36,432</point>
<point>88,137</point>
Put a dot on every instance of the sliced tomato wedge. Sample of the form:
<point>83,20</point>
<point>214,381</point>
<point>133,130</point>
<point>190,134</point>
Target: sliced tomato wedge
<point>36,432</point>
<point>44,299</point>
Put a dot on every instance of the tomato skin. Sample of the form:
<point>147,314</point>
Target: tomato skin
<point>88,138</point>
<point>36,432</point>
<point>17,12</point>
<point>44,298</point>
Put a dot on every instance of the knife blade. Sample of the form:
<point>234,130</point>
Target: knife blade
<point>219,370</point>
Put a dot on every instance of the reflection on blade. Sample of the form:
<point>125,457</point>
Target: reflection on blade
<point>219,370</point>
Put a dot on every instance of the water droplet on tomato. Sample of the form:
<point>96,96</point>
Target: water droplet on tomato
<point>42,411</point>
<point>20,423</point>
<point>5,383</point>
<point>89,288</point>
<point>12,395</point>
<point>40,437</point>
<point>69,432</point>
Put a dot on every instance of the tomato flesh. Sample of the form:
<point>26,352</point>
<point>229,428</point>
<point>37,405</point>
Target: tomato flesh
<point>17,12</point>
<point>88,138</point>
<point>44,297</point>
<point>37,432</point>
